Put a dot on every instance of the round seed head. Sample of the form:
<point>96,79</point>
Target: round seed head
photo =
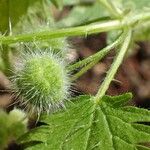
<point>41,80</point>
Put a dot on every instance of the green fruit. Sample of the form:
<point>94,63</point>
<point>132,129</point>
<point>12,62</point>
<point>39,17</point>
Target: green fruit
<point>41,80</point>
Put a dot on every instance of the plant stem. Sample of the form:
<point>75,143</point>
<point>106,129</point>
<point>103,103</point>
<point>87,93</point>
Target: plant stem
<point>78,31</point>
<point>83,70</point>
<point>75,31</point>
<point>98,56</point>
<point>89,62</point>
<point>114,67</point>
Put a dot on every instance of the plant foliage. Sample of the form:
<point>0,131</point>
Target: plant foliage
<point>110,125</point>
<point>88,122</point>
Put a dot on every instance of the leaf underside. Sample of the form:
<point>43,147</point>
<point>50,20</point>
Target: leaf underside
<point>110,125</point>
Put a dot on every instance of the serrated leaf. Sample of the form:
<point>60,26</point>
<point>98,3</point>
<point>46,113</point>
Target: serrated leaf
<point>109,125</point>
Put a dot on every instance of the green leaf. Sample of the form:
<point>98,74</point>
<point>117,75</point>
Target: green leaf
<point>11,11</point>
<point>82,15</point>
<point>109,125</point>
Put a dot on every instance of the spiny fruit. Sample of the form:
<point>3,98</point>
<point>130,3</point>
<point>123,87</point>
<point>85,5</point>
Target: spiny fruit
<point>58,46</point>
<point>41,80</point>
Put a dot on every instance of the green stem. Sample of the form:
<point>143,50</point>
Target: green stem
<point>98,56</point>
<point>75,31</point>
<point>78,31</point>
<point>94,59</point>
<point>114,67</point>
<point>83,70</point>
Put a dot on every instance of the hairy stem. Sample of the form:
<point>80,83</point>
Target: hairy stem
<point>75,31</point>
<point>83,70</point>
<point>93,58</point>
<point>114,67</point>
<point>89,62</point>
<point>78,31</point>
